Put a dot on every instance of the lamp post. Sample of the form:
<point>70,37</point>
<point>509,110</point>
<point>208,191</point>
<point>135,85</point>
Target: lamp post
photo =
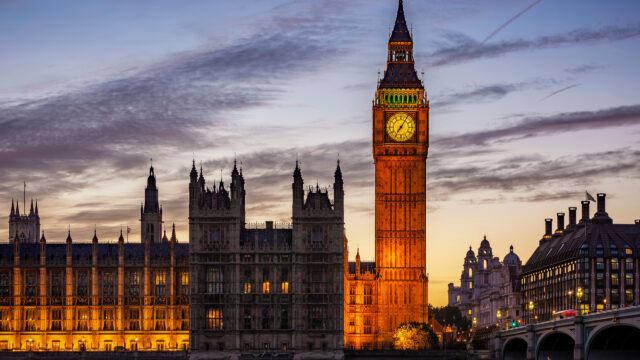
<point>579,295</point>
<point>499,317</point>
<point>531,307</point>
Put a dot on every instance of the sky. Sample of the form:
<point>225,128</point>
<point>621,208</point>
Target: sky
<point>532,103</point>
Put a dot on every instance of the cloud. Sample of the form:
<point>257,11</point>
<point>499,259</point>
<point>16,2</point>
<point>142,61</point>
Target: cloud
<point>117,124</point>
<point>522,179</point>
<point>462,48</point>
<point>560,91</point>
<point>540,126</point>
<point>583,69</point>
<point>491,92</point>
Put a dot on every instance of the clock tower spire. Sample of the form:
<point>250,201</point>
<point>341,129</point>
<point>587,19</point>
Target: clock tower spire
<point>400,145</point>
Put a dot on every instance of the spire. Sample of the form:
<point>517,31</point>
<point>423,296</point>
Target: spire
<point>400,31</point>
<point>164,236</point>
<point>31,210</point>
<point>297,173</point>
<point>173,233</point>
<point>193,175</point>
<point>37,207</point>
<point>201,178</point>
<point>69,239</point>
<point>42,238</point>
<point>338,173</point>
<point>13,211</point>
<point>235,167</point>
<point>95,235</point>
<point>121,238</point>
<point>18,208</point>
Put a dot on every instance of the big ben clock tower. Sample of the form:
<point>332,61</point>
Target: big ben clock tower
<point>400,144</point>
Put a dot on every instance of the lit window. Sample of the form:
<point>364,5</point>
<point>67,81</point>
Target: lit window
<point>368,294</point>
<point>184,278</point>
<point>107,320</point>
<point>56,320</point>
<point>284,287</point>
<point>5,320</point>
<point>266,287</point>
<point>83,320</point>
<point>160,317</point>
<point>214,319</point>
<point>161,278</point>
<point>246,289</point>
<point>160,283</point>
<point>133,317</point>
<point>30,320</point>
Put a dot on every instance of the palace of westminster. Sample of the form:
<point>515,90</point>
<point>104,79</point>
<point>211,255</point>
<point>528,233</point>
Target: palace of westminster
<point>232,288</point>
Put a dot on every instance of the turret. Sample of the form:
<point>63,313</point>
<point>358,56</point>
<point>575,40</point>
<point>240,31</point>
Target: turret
<point>174,239</point>
<point>297,189</point>
<point>151,212</point>
<point>358,264</point>
<point>338,190</point>
<point>165,239</point>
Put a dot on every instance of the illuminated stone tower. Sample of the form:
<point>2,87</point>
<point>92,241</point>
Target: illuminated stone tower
<point>400,144</point>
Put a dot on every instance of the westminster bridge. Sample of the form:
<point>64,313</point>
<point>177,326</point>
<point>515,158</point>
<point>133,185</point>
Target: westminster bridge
<point>611,334</point>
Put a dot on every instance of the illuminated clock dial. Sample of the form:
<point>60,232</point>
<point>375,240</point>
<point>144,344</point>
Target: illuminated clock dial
<point>401,127</point>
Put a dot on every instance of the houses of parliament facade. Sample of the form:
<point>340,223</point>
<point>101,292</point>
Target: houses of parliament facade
<point>234,288</point>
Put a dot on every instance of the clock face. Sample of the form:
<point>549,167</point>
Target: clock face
<point>401,127</point>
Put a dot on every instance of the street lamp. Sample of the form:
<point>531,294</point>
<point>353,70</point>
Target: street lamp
<point>579,295</point>
<point>531,306</point>
<point>499,317</point>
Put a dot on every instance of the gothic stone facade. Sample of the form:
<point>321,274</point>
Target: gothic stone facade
<point>489,291</point>
<point>271,289</point>
<point>70,296</point>
<point>394,290</point>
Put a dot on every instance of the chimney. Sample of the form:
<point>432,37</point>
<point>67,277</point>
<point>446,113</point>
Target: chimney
<point>585,211</point>
<point>548,227</point>
<point>601,203</point>
<point>269,225</point>
<point>572,216</point>
<point>560,228</point>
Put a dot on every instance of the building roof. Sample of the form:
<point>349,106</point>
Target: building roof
<point>365,266</point>
<point>400,31</point>
<point>593,239</point>
<point>82,254</point>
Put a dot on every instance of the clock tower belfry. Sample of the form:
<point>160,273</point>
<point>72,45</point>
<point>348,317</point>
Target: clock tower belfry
<point>400,144</point>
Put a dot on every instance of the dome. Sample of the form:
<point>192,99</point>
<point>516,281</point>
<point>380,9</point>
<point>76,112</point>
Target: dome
<point>511,258</point>
<point>484,243</point>
<point>470,255</point>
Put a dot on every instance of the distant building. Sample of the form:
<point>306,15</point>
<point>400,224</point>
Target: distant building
<point>278,288</point>
<point>489,288</point>
<point>590,265</point>
<point>94,296</point>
